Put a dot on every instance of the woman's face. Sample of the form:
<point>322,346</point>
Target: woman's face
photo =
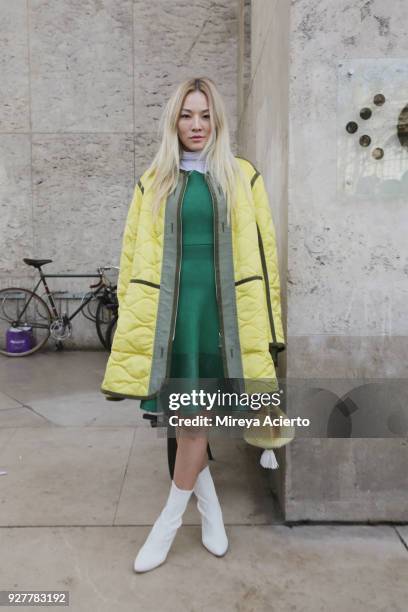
<point>194,126</point>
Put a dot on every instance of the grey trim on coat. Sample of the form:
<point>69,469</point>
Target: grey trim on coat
<point>168,279</point>
<point>226,289</point>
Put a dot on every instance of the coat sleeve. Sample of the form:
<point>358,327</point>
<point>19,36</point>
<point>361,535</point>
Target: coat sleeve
<point>268,252</point>
<point>129,243</point>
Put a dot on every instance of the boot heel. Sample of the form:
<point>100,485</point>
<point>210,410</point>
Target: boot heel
<point>213,535</point>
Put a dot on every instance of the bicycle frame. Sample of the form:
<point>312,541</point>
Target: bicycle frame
<point>42,280</point>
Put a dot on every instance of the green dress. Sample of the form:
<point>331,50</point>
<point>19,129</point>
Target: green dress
<point>196,350</point>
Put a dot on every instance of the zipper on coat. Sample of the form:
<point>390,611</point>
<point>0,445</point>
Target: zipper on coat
<point>266,279</point>
<point>177,284</point>
<point>217,287</point>
<point>180,242</point>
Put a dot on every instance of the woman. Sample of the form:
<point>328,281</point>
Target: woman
<point>198,291</point>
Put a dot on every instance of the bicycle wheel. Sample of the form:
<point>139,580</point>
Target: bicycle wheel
<point>25,321</point>
<point>105,313</point>
<point>110,332</point>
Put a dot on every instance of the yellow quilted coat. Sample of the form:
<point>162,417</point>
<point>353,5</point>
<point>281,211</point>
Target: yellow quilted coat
<point>247,282</point>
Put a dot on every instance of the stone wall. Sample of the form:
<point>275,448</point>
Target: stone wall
<point>83,86</point>
<point>344,266</point>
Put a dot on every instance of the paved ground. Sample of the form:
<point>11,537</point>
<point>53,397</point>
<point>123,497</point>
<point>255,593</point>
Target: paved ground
<point>86,478</point>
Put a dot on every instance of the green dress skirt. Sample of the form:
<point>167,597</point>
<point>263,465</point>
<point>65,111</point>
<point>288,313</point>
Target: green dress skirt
<point>196,350</point>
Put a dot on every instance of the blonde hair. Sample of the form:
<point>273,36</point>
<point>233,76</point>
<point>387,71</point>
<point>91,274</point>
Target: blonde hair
<point>221,162</point>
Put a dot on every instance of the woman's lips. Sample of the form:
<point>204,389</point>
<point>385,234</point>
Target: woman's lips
<point>196,138</point>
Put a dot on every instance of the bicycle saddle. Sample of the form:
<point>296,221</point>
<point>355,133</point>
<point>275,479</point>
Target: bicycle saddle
<point>37,263</point>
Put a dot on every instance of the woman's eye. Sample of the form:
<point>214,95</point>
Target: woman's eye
<point>184,116</point>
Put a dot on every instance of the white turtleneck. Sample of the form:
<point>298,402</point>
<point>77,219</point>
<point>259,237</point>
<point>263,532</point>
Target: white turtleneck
<point>189,161</point>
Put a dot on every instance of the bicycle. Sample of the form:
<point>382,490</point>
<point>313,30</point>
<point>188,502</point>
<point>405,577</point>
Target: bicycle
<point>29,321</point>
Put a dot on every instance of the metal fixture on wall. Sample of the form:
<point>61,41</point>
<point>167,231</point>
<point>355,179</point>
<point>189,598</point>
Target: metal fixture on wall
<point>372,129</point>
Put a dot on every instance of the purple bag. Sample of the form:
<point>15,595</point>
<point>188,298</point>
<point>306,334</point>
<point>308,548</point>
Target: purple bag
<point>19,339</point>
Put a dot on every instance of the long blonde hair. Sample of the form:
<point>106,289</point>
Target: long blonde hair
<point>221,162</point>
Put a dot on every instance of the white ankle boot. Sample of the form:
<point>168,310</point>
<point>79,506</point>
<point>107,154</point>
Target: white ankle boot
<point>214,537</point>
<point>157,545</point>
